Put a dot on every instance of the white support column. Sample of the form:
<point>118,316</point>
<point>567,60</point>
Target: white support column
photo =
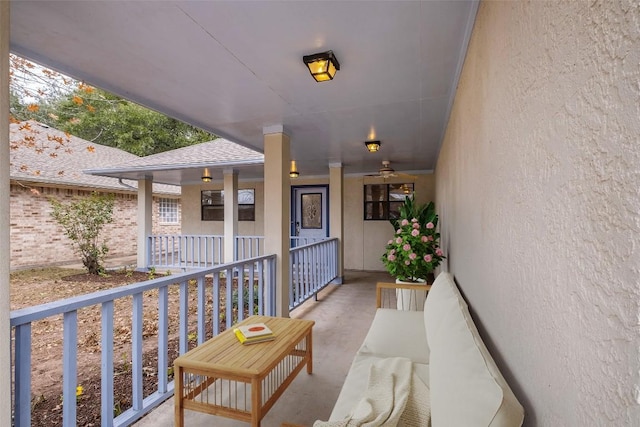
<point>336,213</point>
<point>277,191</point>
<point>5,252</point>
<point>230,214</point>
<point>145,220</point>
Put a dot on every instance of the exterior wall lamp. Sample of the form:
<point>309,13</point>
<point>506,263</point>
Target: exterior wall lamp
<point>322,66</point>
<point>373,146</point>
<point>294,170</point>
<point>206,175</point>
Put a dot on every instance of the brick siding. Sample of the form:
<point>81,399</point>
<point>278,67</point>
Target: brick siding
<point>36,239</point>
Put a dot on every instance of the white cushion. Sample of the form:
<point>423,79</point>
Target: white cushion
<point>466,387</point>
<point>396,333</point>
<point>440,301</point>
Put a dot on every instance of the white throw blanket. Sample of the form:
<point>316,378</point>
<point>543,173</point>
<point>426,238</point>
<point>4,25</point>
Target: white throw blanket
<point>395,397</point>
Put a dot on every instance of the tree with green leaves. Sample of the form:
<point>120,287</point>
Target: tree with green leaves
<point>83,221</point>
<point>115,122</point>
<point>92,114</point>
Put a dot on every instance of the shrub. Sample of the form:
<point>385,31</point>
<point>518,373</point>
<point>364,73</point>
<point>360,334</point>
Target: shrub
<point>82,221</point>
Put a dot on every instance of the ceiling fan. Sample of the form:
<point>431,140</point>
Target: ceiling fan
<point>386,171</point>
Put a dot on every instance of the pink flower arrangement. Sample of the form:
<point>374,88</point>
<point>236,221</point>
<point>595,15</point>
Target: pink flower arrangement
<point>414,252</point>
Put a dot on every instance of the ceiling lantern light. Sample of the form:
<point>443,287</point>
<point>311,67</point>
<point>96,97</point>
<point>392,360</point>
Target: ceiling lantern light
<point>293,173</point>
<point>322,66</point>
<point>206,175</point>
<point>373,146</point>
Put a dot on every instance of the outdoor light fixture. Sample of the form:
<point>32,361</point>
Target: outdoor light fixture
<point>372,146</point>
<point>322,66</point>
<point>206,175</point>
<point>294,170</point>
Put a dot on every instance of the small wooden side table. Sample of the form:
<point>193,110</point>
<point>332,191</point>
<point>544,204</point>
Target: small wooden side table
<point>223,377</point>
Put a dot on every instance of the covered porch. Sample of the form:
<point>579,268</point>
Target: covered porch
<point>525,113</point>
<point>264,99</point>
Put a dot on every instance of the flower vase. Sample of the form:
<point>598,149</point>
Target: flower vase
<point>410,299</point>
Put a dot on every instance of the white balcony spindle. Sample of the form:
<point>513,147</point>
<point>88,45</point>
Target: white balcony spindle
<point>201,309</point>
<point>106,365</point>
<point>136,352</point>
<point>22,393</point>
<point>163,337</point>
<point>184,316</point>
<point>216,307</point>
<point>70,367</point>
<point>229,296</point>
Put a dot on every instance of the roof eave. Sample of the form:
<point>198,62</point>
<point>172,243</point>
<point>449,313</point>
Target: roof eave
<point>111,172</point>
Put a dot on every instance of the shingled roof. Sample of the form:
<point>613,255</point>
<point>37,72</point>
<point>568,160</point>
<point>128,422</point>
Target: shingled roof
<point>218,151</point>
<point>183,166</point>
<point>41,154</point>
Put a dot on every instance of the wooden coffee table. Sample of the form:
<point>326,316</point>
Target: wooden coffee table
<point>223,377</point>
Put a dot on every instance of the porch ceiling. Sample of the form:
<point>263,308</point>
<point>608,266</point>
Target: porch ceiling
<point>235,67</point>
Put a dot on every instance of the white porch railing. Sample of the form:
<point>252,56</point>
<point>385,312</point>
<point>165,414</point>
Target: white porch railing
<point>186,251</point>
<point>249,246</point>
<point>313,260</point>
<point>254,296</point>
<point>311,267</point>
<point>299,241</point>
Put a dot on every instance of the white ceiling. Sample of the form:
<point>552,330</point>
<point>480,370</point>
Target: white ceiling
<point>235,67</point>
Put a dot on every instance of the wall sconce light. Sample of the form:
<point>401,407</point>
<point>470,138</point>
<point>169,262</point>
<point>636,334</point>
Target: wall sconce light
<point>293,173</point>
<point>206,175</point>
<point>406,189</point>
<point>322,66</point>
<point>373,146</point>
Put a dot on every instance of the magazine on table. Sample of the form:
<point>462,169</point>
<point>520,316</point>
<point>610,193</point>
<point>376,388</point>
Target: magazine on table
<point>253,333</point>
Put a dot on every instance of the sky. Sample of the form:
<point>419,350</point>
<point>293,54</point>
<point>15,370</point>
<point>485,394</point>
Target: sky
<point>28,82</point>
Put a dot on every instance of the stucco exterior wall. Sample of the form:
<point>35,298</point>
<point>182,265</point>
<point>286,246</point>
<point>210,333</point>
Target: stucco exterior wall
<point>538,194</point>
<point>364,240</point>
<point>37,240</point>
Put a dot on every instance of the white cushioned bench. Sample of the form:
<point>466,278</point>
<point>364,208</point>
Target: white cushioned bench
<point>465,386</point>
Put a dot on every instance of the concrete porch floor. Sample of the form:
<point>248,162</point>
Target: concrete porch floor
<point>342,315</point>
